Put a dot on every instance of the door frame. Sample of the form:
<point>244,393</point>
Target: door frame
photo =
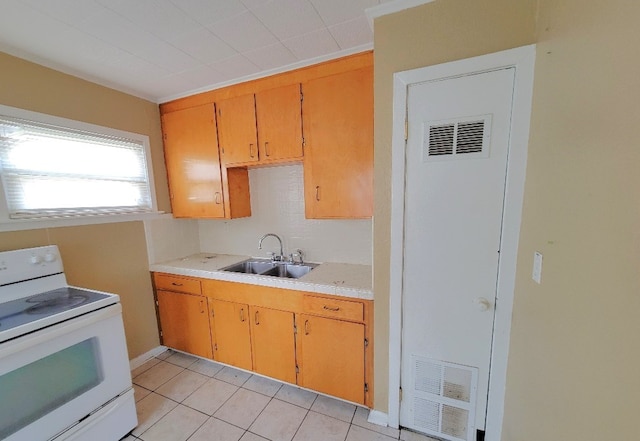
<point>522,59</point>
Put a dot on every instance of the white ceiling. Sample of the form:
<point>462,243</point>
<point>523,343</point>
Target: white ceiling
<point>165,49</point>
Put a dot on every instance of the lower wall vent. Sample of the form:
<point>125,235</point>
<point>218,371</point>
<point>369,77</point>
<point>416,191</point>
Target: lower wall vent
<point>444,398</point>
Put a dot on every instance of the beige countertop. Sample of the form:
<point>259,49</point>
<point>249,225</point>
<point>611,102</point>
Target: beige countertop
<point>342,279</point>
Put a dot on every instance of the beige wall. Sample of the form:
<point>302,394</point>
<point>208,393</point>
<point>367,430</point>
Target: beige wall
<point>431,34</point>
<point>574,357</point>
<point>574,353</point>
<point>111,257</point>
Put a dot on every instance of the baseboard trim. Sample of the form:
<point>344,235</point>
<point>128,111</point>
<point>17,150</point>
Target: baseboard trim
<point>379,418</point>
<point>141,359</point>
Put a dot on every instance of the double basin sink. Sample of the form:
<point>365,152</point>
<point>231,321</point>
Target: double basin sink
<point>265,267</point>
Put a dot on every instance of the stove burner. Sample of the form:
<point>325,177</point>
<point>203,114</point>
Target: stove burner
<point>56,304</point>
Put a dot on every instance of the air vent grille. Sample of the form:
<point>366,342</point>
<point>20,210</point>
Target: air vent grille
<point>470,136</point>
<point>463,138</point>
<point>443,398</point>
<point>441,139</point>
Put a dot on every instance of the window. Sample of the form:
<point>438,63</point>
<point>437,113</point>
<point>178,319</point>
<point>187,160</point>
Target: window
<point>65,169</point>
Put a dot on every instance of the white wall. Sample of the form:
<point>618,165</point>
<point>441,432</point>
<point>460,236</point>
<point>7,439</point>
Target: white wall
<point>277,205</point>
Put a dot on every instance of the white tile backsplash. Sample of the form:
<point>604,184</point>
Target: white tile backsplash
<point>277,205</point>
<point>169,238</point>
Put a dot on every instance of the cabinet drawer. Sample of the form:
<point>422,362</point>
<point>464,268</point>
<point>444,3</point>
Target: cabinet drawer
<point>178,284</point>
<point>334,308</point>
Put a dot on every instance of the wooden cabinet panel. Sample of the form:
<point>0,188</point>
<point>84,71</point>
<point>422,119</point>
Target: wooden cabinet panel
<point>252,327</point>
<point>330,356</point>
<point>333,308</point>
<point>279,116</point>
<point>193,163</point>
<point>338,131</point>
<point>261,128</point>
<point>237,129</point>
<point>170,282</point>
<point>184,321</point>
<point>273,343</point>
<point>231,329</point>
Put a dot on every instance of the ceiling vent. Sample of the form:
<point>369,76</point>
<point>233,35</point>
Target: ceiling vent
<point>461,138</point>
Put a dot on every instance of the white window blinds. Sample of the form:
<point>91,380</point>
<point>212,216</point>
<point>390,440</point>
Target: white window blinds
<point>52,171</point>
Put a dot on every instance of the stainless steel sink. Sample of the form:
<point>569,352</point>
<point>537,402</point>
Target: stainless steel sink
<point>289,270</point>
<point>269,268</point>
<point>250,267</point>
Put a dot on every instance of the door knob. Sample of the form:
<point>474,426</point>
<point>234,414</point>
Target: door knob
<point>482,304</point>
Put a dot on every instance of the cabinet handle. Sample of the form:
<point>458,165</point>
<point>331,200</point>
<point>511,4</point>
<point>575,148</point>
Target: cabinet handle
<point>257,319</point>
<point>266,148</point>
<point>242,314</point>
<point>329,308</point>
<point>201,306</point>
<point>318,193</point>
<point>251,150</point>
<point>176,284</point>
<point>218,198</point>
<point>306,327</point>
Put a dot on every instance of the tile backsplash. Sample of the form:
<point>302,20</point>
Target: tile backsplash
<point>169,238</point>
<point>277,205</point>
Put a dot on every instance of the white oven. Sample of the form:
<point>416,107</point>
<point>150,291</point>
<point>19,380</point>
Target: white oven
<point>64,375</point>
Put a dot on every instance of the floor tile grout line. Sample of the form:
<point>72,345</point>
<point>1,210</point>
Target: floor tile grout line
<point>241,386</point>
<point>301,423</point>
<point>159,386</point>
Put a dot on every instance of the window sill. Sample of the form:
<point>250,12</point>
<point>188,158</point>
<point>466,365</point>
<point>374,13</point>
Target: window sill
<point>35,224</point>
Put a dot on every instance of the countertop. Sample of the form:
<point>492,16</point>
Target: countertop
<point>341,279</point>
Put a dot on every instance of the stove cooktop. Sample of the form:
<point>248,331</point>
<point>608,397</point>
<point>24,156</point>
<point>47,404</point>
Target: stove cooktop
<point>41,310</point>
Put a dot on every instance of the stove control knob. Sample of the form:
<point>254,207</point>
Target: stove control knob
<point>50,257</point>
<point>36,259</point>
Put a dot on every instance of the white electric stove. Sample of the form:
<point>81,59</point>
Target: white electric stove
<point>64,369</point>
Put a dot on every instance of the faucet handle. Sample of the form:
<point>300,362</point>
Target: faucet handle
<point>297,257</point>
<point>271,255</point>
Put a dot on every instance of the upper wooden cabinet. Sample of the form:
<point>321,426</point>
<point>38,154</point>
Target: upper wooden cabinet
<point>279,116</point>
<point>261,128</point>
<point>199,187</point>
<point>338,131</point>
<point>321,115</point>
<point>237,129</point>
<point>193,163</point>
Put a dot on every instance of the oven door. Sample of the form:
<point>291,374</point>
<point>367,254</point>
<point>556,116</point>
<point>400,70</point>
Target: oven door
<point>52,378</point>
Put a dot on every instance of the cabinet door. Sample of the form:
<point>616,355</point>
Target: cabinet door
<point>338,157</point>
<point>330,356</point>
<point>273,343</point>
<point>231,329</point>
<point>279,116</point>
<point>185,322</point>
<point>237,129</point>
<point>193,162</point>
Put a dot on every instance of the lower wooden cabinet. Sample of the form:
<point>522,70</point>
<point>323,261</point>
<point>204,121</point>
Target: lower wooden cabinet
<point>184,322</point>
<point>315,341</point>
<point>273,343</point>
<point>330,356</point>
<point>231,333</point>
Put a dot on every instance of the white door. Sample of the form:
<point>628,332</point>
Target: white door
<point>456,162</point>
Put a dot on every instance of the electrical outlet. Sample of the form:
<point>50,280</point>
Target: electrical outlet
<point>537,267</point>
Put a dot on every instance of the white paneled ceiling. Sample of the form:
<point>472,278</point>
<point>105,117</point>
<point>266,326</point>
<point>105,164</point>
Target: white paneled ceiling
<point>164,49</point>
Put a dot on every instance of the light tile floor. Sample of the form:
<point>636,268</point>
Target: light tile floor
<point>180,397</point>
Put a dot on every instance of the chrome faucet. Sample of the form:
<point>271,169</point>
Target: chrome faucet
<point>279,258</point>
